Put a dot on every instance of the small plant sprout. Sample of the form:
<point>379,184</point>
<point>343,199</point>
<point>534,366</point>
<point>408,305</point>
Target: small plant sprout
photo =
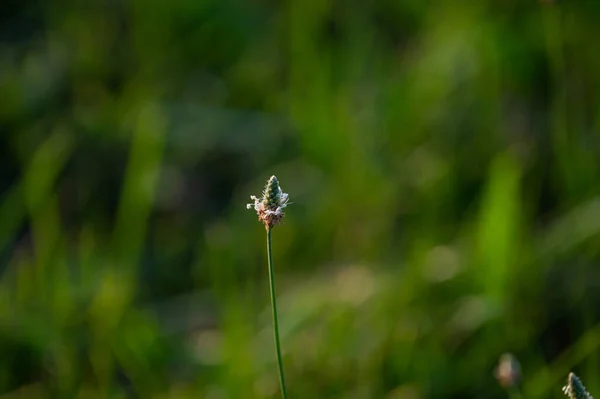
<point>269,209</point>
<point>575,388</point>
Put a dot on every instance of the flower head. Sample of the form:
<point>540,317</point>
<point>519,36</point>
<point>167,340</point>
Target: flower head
<point>508,371</point>
<point>575,388</point>
<point>270,206</point>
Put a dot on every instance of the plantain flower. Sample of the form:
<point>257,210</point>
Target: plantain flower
<point>269,207</point>
<point>508,371</point>
<point>575,388</point>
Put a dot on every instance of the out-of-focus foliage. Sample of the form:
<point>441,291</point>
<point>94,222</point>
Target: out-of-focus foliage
<point>442,157</point>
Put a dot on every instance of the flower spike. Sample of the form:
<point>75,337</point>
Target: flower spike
<point>575,388</point>
<point>269,207</point>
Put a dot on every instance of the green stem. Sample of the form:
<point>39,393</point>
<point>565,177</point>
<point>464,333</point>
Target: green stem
<point>514,393</point>
<point>274,308</point>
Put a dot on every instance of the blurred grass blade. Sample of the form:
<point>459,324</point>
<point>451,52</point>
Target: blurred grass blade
<point>139,185</point>
<point>499,227</point>
<point>39,181</point>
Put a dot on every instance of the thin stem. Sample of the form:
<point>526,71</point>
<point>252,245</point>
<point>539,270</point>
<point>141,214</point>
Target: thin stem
<point>514,393</point>
<point>274,308</point>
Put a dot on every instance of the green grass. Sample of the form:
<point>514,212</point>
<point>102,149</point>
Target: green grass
<point>441,157</point>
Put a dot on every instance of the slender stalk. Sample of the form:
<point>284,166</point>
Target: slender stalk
<point>274,308</point>
<point>514,393</point>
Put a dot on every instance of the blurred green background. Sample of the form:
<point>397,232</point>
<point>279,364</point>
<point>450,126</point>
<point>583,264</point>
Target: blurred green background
<point>442,157</point>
